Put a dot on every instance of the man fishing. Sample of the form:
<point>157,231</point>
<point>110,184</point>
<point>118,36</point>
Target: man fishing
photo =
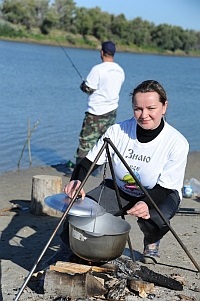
<point>102,85</point>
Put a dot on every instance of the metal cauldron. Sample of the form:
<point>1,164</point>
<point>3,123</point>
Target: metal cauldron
<point>98,239</point>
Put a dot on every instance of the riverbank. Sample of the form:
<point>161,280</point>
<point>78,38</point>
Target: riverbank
<point>24,235</point>
<point>95,45</point>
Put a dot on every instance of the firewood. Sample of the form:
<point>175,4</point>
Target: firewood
<point>72,286</point>
<point>179,278</point>
<point>142,287</point>
<point>158,279</point>
<point>127,267</point>
<point>117,289</point>
<point>105,268</point>
<point>70,267</point>
<point>186,298</point>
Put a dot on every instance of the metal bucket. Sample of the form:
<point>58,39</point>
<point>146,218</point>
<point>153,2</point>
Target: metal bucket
<point>98,239</point>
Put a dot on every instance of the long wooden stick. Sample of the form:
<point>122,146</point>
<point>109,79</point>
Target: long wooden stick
<point>27,142</point>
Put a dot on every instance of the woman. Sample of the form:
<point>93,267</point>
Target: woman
<point>157,154</point>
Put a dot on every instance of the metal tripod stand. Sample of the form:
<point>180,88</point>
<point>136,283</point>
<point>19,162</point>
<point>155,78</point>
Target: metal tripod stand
<point>107,142</point>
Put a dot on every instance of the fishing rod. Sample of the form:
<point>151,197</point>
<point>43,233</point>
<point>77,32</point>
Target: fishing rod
<point>65,52</point>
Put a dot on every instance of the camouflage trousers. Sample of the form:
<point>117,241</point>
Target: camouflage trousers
<point>93,128</point>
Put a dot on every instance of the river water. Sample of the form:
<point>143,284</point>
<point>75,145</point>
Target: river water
<point>40,84</point>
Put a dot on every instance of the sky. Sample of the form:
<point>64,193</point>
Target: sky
<point>183,13</point>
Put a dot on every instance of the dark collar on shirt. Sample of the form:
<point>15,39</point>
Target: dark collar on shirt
<point>144,136</point>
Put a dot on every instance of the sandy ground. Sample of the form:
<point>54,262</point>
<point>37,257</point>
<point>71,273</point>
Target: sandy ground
<point>24,236</point>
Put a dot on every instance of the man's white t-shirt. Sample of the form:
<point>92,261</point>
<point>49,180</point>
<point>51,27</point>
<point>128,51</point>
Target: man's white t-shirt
<point>106,79</point>
<point>161,161</point>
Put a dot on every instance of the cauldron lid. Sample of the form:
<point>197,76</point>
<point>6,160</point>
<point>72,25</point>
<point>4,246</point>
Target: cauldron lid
<point>84,208</point>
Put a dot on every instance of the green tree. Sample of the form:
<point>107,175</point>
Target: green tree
<point>64,15</point>
<point>176,36</point>
<point>65,11</point>
<point>40,9</point>
<point>189,39</point>
<point>49,21</point>
<point>197,45</point>
<point>101,28</point>
<point>25,12</point>
<point>16,12</point>
<point>83,22</point>
<point>162,37</point>
<point>139,32</point>
<point>119,28</point>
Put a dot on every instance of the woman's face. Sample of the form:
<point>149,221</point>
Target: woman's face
<point>148,110</point>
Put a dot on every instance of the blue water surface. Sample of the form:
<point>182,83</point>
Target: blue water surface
<point>39,84</point>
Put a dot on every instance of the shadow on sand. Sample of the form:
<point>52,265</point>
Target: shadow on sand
<point>25,237</point>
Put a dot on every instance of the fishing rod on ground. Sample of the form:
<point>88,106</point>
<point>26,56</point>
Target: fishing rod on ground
<point>66,54</point>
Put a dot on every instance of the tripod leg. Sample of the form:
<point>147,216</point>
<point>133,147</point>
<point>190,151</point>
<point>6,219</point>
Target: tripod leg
<point>131,249</point>
<point>118,198</point>
<point>153,203</point>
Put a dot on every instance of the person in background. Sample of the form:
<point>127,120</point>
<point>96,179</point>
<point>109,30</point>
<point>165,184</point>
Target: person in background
<point>156,153</point>
<point>102,85</point>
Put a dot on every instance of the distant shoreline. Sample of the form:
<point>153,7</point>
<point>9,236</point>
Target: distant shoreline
<point>119,48</point>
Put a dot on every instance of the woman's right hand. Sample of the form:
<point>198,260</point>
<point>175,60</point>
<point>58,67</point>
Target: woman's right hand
<point>71,188</point>
<point>140,209</point>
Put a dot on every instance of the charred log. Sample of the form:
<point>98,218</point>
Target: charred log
<point>126,267</point>
<point>118,290</point>
<point>158,279</point>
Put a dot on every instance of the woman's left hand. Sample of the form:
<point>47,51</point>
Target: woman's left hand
<point>140,209</point>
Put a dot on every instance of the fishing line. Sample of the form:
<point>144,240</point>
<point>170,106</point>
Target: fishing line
<point>65,52</point>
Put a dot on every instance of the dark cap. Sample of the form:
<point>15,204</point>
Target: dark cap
<point>108,47</point>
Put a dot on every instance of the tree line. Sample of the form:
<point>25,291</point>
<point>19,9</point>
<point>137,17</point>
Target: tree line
<point>44,19</point>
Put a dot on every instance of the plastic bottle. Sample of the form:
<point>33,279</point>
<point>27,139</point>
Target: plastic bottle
<point>187,189</point>
<point>195,184</point>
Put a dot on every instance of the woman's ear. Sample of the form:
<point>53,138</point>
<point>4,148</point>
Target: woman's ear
<point>165,107</point>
